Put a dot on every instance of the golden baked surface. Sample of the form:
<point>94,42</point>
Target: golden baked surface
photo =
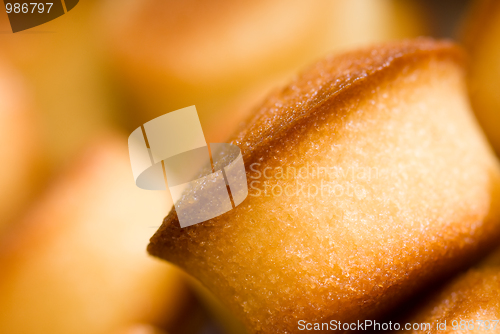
<point>471,296</point>
<point>397,184</point>
<point>327,80</point>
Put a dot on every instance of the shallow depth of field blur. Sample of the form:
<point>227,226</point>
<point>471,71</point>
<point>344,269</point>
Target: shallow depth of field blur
<point>73,226</point>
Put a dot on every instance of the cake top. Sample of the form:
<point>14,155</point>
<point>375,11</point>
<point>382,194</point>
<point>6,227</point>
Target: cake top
<point>328,79</point>
<point>332,79</point>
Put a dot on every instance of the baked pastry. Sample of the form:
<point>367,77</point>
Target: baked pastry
<point>482,41</point>
<point>368,177</point>
<point>76,263</point>
<point>469,304</point>
<point>223,56</point>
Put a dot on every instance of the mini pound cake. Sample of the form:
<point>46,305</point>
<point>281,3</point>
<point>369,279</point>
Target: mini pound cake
<point>367,177</point>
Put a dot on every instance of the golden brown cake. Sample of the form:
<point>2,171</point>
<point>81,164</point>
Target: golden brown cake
<point>482,41</point>
<point>368,177</point>
<point>469,304</point>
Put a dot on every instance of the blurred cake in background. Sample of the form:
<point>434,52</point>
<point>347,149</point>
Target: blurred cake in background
<point>139,329</point>
<point>77,262</point>
<point>62,63</point>
<point>481,37</point>
<point>20,148</point>
<point>223,56</point>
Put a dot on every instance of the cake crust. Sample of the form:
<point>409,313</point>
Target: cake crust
<point>331,80</point>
